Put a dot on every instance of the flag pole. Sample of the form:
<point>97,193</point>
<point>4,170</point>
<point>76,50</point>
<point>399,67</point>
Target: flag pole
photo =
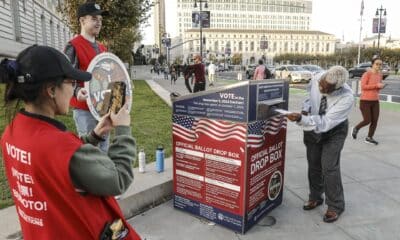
<point>359,39</point>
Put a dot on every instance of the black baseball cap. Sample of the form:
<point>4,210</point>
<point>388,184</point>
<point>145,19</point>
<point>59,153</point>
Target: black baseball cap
<point>44,64</point>
<point>90,8</point>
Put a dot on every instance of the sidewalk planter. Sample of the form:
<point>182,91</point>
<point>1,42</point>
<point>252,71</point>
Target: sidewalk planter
<point>229,151</point>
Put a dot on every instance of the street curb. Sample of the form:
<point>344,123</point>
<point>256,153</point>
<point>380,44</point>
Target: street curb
<point>136,204</point>
<point>148,190</point>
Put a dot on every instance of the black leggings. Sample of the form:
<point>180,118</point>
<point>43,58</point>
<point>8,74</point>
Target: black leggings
<point>199,86</point>
<point>370,113</point>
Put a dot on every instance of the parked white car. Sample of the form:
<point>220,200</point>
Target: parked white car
<point>293,73</point>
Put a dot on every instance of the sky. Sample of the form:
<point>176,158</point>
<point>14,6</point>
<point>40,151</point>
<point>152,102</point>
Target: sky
<point>338,17</point>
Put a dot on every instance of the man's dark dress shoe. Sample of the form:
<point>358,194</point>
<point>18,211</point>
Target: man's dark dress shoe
<point>331,216</point>
<point>311,204</point>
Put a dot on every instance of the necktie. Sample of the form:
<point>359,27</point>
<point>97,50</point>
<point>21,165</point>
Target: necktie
<point>322,106</point>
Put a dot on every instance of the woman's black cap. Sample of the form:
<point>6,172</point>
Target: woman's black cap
<point>42,63</point>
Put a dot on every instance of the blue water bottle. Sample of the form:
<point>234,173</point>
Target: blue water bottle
<point>160,159</point>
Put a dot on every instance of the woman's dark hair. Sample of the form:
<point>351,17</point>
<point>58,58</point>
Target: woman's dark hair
<point>260,61</point>
<point>17,91</point>
<point>374,59</point>
<point>25,91</point>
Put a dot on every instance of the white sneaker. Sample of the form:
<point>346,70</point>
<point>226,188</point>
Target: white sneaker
<point>370,140</point>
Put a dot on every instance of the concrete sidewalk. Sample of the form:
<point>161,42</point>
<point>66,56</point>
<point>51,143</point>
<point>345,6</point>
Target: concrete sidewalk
<point>371,176</point>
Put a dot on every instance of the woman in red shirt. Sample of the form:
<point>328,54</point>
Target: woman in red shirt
<point>371,84</point>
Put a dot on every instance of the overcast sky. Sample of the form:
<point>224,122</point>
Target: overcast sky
<point>338,17</point>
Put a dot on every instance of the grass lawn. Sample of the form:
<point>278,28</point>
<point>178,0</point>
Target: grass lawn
<point>151,126</point>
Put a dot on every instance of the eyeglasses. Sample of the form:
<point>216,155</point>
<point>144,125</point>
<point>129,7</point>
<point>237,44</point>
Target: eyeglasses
<point>73,82</point>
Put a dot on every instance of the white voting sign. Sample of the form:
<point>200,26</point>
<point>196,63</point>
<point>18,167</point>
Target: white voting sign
<point>106,68</point>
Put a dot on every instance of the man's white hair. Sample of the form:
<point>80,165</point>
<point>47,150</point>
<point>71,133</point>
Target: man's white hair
<point>337,75</point>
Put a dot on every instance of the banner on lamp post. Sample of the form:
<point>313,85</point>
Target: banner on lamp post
<point>205,19</point>
<point>375,25</point>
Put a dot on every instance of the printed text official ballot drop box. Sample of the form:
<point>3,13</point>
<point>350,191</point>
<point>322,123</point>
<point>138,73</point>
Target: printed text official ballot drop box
<point>229,152</point>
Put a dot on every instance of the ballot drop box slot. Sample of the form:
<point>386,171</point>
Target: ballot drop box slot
<point>229,152</point>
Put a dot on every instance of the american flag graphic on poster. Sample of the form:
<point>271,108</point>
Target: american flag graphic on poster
<point>189,128</point>
<point>258,129</point>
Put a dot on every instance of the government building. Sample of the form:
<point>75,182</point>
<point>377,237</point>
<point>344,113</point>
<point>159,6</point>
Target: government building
<point>27,22</point>
<point>243,26</point>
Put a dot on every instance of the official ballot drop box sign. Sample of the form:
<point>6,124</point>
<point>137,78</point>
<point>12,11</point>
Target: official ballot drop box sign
<point>229,152</point>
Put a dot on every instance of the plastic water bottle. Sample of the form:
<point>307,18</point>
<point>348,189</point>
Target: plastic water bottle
<point>142,161</point>
<point>160,159</point>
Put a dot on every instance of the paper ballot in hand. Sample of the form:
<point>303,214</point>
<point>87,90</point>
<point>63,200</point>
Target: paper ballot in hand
<point>282,111</point>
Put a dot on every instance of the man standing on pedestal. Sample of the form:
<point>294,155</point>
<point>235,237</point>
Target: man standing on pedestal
<point>81,50</point>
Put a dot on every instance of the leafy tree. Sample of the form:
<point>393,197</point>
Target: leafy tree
<point>120,28</point>
<point>346,57</point>
<point>178,60</point>
<point>212,57</point>
<point>237,59</point>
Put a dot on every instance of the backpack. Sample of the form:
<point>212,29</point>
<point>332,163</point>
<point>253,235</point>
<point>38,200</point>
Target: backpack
<point>267,73</point>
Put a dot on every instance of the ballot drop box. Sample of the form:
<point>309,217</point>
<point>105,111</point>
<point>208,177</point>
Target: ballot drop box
<point>229,152</point>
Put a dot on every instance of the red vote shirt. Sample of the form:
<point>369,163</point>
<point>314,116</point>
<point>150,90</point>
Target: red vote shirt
<point>36,153</point>
<point>85,53</point>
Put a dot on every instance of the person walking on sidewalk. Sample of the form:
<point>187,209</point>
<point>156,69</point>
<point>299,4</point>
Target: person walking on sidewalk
<point>166,71</point>
<point>211,73</point>
<point>68,181</point>
<point>371,84</point>
<point>199,74</point>
<point>259,72</point>
<point>325,116</point>
<point>173,72</point>
<point>81,50</point>
<point>188,77</point>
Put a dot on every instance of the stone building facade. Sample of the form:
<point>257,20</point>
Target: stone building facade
<point>27,22</point>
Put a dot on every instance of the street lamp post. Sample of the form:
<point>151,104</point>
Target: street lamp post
<point>264,46</point>
<point>201,22</point>
<point>379,13</point>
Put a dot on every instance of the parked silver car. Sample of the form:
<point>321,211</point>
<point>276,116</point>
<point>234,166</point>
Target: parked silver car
<point>293,73</point>
<point>314,69</point>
